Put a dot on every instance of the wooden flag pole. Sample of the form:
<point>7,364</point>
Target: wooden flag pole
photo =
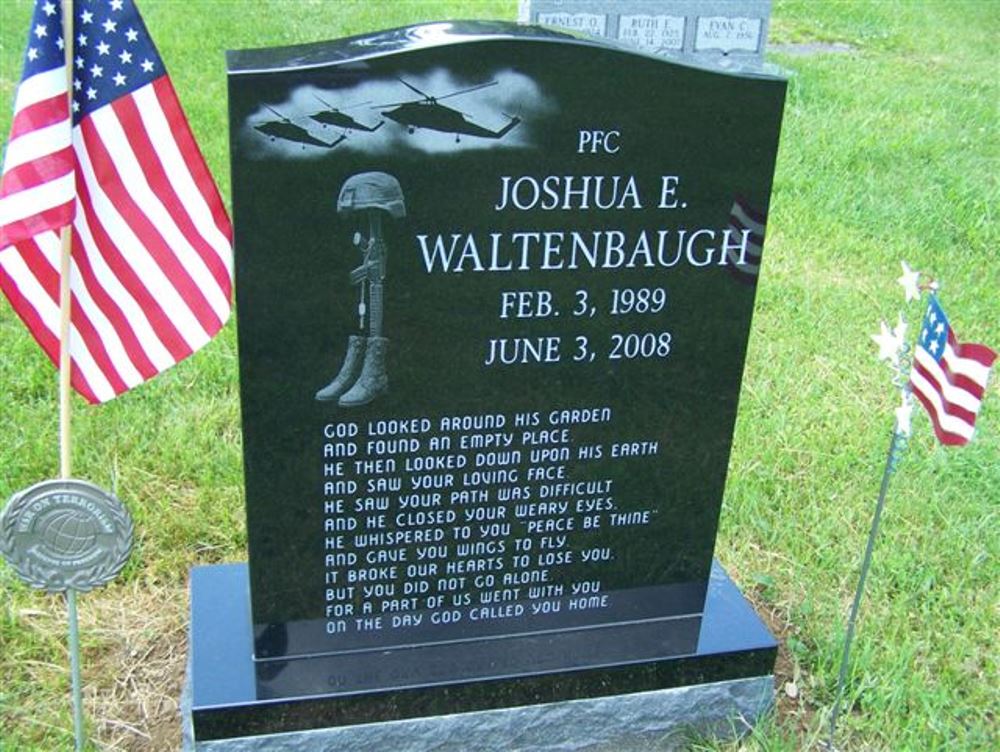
<point>65,415</point>
<point>65,365</point>
<point>65,463</point>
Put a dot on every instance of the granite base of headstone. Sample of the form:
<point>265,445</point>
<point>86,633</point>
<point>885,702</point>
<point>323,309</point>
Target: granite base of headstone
<point>718,32</point>
<point>720,690</point>
<point>494,289</point>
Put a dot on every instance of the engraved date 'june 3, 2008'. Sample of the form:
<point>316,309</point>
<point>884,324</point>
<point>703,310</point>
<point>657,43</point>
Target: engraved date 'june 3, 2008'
<point>540,304</point>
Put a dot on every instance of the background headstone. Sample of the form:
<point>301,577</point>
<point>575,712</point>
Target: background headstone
<point>726,32</point>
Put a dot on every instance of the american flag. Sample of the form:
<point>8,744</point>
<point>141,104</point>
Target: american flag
<point>151,264</point>
<point>745,217</point>
<point>949,377</point>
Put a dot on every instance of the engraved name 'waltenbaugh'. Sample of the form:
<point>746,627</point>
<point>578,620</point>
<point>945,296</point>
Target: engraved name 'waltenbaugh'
<point>611,248</point>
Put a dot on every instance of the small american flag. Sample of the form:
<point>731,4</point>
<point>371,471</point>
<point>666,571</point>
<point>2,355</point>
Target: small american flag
<point>151,267</point>
<point>949,377</point>
<point>745,217</point>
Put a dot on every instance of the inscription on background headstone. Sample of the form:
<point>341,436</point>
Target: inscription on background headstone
<point>722,31</point>
<point>651,33</point>
<point>727,33</point>
<point>589,23</point>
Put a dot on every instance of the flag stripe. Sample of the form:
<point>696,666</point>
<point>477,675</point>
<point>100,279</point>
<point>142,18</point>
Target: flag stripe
<point>979,355</point>
<point>54,195</point>
<point>945,437</point>
<point>28,305</point>
<point>756,231</point>
<point>143,257</point>
<point>970,359</point>
<point>83,366</point>
<point>956,371</point>
<point>182,160</point>
<point>932,380</point>
<point>87,379</point>
<point>39,87</point>
<point>36,191</point>
<point>40,115</point>
<point>949,429</point>
<point>130,360</point>
<point>131,191</point>
<point>753,253</point>
<point>126,188</point>
<point>196,171</point>
<point>954,393</point>
<point>145,348</point>
<point>33,225</point>
<point>753,220</point>
<point>201,258</point>
<point>33,174</point>
<point>102,247</point>
<point>747,268</point>
<point>744,265</point>
<point>36,144</point>
<point>104,332</point>
<point>44,265</point>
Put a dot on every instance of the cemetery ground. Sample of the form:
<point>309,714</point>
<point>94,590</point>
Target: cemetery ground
<point>889,151</point>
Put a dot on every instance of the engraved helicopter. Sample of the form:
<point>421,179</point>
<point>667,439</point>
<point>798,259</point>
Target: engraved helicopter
<point>339,117</point>
<point>428,113</point>
<point>286,130</point>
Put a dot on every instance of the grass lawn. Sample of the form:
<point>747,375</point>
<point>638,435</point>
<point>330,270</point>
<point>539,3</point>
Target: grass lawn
<point>890,151</point>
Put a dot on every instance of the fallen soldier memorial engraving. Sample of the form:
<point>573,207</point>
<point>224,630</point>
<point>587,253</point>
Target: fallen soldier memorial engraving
<point>494,289</point>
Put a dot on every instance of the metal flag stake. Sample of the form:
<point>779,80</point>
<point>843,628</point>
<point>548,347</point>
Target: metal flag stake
<point>897,446</point>
<point>894,349</point>
<point>926,373</point>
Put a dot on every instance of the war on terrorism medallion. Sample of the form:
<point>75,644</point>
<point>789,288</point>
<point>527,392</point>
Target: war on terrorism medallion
<point>67,534</point>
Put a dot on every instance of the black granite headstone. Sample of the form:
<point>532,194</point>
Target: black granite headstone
<point>494,290</point>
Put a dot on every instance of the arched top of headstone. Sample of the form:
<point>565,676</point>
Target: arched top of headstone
<point>439,34</point>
